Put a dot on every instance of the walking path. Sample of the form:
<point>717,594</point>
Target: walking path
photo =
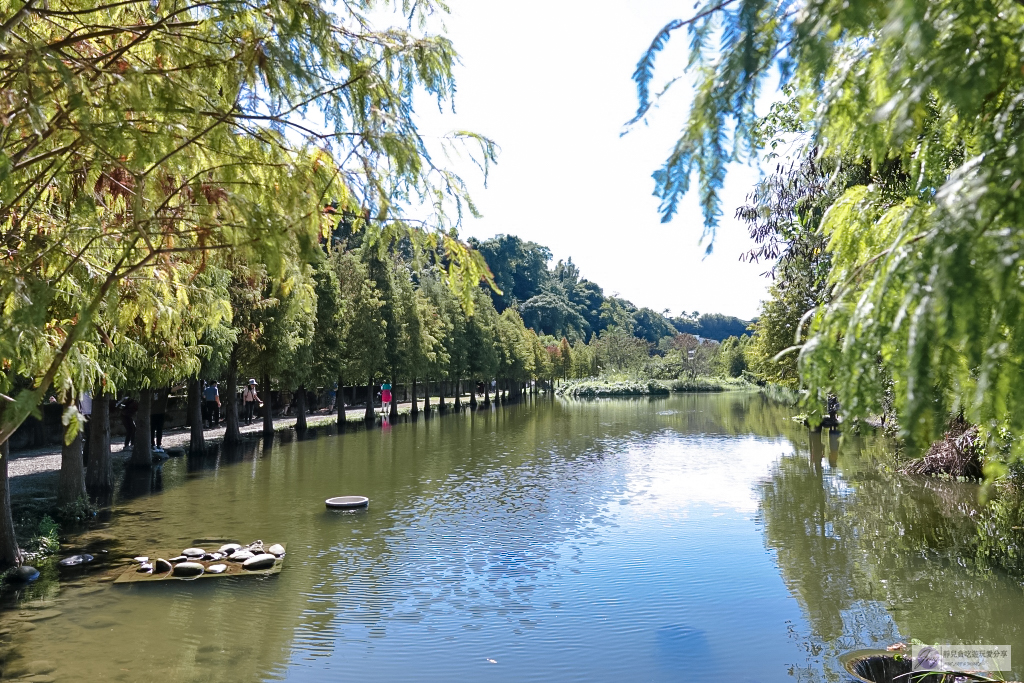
<point>47,459</point>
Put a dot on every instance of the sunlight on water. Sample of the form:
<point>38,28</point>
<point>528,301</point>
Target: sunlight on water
<point>685,538</point>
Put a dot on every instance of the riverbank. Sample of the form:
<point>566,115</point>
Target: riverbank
<point>610,387</point>
<point>34,473</point>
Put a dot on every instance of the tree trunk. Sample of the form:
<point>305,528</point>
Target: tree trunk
<point>197,442</point>
<point>458,394</point>
<point>426,397</point>
<point>268,409</point>
<point>441,406</point>
<point>99,477</point>
<point>415,403</point>
<point>300,408</point>
<point>142,452</point>
<point>393,413</point>
<point>232,433</point>
<point>487,394</point>
<point>71,482</point>
<point>472,394</point>
<point>10,555</point>
<point>340,404</point>
<point>368,413</point>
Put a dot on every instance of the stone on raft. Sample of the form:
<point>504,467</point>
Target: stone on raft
<point>162,566</point>
<point>145,568</point>
<point>141,560</point>
<point>188,569</point>
<point>179,558</point>
<point>264,561</point>
<point>241,556</point>
<point>276,549</point>
<point>229,548</point>
<point>193,552</point>
<point>217,568</point>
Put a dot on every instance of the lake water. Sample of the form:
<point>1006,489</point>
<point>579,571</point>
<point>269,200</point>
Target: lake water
<point>693,537</point>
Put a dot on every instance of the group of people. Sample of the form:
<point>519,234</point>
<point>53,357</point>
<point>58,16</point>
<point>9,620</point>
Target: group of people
<point>128,408</point>
<point>211,403</point>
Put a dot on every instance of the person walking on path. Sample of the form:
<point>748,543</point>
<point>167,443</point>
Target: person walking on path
<point>157,418</point>
<point>249,399</point>
<point>128,406</point>
<point>211,395</point>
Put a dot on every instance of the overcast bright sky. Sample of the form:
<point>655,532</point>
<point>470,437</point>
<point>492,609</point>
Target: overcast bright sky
<point>549,81</point>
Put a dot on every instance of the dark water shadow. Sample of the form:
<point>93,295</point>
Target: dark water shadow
<point>137,482</point>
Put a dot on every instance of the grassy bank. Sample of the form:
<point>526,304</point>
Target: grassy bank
<point>600,387</point>
<point>780,394</point>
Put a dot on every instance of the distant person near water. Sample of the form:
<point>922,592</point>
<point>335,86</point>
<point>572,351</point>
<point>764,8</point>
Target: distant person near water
<point>128,407</point>
<point>249,399</point>
<point>211,396</point>
<point>157,417</point>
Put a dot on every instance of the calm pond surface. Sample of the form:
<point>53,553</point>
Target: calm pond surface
<point>693,537</point>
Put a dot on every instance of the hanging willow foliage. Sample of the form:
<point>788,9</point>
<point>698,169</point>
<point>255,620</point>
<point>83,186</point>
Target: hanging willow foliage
<point>926,286</point>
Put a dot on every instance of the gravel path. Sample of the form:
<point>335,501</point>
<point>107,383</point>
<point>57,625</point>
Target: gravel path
<point>41,460</point>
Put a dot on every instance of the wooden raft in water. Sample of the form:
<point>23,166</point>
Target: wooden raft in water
<point>132,575</point>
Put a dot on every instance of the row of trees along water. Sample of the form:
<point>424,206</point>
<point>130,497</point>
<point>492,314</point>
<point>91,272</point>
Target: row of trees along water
<point>164,172</point>
<point>190,189</point>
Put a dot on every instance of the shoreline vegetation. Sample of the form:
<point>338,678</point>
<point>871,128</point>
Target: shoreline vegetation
<point>610,387</point>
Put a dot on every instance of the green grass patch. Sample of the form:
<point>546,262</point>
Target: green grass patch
<point>599,387</point>
<point>710,384</point>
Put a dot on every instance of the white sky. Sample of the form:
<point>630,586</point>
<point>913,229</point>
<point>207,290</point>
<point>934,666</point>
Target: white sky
<point>549,81</point>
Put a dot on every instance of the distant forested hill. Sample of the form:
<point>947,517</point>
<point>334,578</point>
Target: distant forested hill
<point>558,301</point>
<point>712,325</point>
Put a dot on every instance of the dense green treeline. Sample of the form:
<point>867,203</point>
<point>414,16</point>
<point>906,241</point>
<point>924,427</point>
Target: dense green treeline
<point>558,301</point>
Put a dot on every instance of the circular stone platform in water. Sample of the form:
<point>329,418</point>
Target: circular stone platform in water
<point>346,502</point>
<point>75,560</point>
<point>24,574</point>
<point>877,666</point>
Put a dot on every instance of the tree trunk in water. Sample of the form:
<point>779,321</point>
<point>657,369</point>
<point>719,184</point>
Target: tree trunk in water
<point>458,394</point>
<point>487,394</point>
<point>339,401</point>
<point>10,555</point>
<point>426,397</point>
<point>232,434</point>
<point>99,478</point>
<point>472,394</point>
<point>71,483</point>
<point>142,452</point>
<point>300,408</point>
<point>415,403</point>
<point>197,442</point>
<point>268,409</point>
<point>441,406</point>
<point>368,414</point>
